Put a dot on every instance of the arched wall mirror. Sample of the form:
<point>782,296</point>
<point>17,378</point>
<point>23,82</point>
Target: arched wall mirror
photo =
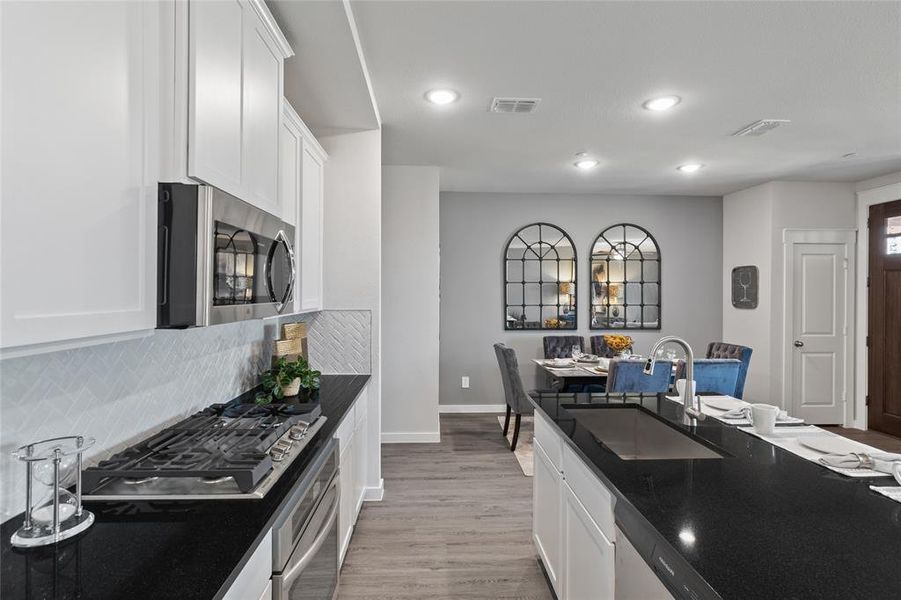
<point>540,279</point>
<point>625,279</point>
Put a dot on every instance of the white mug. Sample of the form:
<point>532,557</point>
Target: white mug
<point>763,417</point>
<point>680,387</point>
<point>896,471</point>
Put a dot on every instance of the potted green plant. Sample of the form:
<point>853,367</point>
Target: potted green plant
<point>288,378</point>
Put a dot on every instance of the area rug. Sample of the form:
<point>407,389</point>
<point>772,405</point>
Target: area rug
<point>523,450</point>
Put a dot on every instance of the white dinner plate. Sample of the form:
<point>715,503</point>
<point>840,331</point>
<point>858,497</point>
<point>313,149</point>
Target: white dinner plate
<point>723,402</point>
<point>828,444</point>
<point>558,365</point>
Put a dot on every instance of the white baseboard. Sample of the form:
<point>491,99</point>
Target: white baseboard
<point>411,437</point>
<point>472,408</point>
<point>375,494</point>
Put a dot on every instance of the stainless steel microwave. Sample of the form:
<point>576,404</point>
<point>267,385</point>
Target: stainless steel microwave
<point>219,259</point>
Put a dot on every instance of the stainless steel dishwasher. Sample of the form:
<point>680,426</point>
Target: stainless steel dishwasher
<point>305,535</point>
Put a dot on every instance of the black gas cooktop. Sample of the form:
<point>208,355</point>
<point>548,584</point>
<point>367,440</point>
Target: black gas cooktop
<point>225,449</point>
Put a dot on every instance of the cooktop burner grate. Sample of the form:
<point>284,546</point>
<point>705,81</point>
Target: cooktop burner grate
<point>205,445</point>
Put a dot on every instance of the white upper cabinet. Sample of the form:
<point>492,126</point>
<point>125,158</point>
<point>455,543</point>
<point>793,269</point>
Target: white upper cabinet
<point>215,93</point>
<point>311,222</point>
<point>301,193</point>
<point>80,169</point>
<point>235,76</point>
<point>289,155</point>
<point>262,113</point>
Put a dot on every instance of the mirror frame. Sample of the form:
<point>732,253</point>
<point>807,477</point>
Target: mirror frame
<point>504,277</point>
<point>641,282</point>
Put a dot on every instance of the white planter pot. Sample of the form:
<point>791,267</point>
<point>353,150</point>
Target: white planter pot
<point>292,388</point>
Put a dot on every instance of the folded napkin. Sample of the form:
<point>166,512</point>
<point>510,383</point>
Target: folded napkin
<point>604,363</point>
<point>860,460</point>
<point>745,413</point>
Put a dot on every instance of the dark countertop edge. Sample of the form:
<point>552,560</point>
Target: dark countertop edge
<point>236,571</point>
<point>621,501</point>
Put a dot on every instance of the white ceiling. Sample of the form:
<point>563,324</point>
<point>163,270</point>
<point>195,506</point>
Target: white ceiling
<point>834,69</point>
<point>325,80</point>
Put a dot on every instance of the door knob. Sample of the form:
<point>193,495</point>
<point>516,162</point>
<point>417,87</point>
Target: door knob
<point>799,344</point>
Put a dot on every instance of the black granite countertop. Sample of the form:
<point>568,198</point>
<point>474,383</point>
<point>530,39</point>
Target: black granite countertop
<point>162,550</point>
<point>766,523</point>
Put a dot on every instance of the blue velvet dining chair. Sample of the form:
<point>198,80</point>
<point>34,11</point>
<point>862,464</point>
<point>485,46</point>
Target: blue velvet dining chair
<point>742,353</point>
<point>627,376</point>
<point>713,375</point>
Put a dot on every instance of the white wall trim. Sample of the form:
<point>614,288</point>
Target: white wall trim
<point>411,437</point>
<point>472,408</point>
<point>262,11</point>
<point>844,236</point>
<point>375,494</point>
<point>865,200</point>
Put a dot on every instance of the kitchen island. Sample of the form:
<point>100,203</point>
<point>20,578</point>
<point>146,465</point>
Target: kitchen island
<point>158,550</point>
<point>750,521</point>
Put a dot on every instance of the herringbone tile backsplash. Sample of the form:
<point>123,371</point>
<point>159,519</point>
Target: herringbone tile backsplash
<point>123,391</point>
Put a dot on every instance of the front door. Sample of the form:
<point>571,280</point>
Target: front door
<point>818,293</point>
<point>884,381</point>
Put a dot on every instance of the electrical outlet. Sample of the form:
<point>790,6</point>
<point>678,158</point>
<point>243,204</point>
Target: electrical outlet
<point>465,382</point>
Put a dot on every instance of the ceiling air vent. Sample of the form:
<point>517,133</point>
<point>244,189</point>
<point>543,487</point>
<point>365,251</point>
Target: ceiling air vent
<point>760,127</point>
<point>514,105</point>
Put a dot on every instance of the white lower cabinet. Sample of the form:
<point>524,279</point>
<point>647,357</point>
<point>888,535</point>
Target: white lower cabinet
<point>589,557</point>
<point>584,554</point>
<point>546,531</point>
<point>254,579</point>
<point>351,436</point>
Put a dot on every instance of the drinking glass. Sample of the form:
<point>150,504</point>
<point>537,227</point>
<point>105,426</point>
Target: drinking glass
<point>576,352</point>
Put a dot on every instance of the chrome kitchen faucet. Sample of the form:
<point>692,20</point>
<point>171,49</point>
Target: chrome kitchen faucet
<point>688,390</point>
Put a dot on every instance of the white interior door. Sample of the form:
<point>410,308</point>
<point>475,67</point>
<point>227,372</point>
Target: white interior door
<point>817,319</point>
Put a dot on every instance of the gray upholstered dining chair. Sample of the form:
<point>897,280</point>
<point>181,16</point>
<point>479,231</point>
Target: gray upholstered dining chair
<point>514,392</point>
<point>561,346</point>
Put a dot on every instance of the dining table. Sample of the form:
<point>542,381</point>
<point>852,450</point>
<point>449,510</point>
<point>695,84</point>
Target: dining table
<point>574,373</point>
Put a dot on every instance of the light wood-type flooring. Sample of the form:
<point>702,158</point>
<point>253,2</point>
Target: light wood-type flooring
<point>456,522</point>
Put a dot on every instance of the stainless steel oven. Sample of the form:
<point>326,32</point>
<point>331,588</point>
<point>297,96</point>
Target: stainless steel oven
<point>220,259</point>
<point>305,535</point>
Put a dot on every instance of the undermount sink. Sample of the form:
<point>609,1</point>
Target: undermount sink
<point>636,435</point>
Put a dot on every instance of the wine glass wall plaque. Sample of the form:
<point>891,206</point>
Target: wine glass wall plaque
<point>745,287</point>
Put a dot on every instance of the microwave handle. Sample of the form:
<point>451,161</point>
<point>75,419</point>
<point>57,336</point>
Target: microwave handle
<point>289,576</point>
<point>164,291</point>
<point>280,238</point>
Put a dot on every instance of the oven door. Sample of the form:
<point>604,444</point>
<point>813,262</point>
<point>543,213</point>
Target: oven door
<point>312,571</point>
<point>250,259</point>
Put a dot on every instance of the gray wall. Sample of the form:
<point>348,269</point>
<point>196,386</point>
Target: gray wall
<point>474,228</point>
<point>410,267</point>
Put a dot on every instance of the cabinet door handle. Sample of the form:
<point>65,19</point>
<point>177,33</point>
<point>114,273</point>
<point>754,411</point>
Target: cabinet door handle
<point>799,344</point>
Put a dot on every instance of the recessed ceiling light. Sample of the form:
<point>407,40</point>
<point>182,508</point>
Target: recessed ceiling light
<point>690,167</point>
<point>586,164</point>
<point>441,96</point>
<point>662,103</point>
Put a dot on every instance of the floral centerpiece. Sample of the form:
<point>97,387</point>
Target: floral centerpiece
<point>618,343</point>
